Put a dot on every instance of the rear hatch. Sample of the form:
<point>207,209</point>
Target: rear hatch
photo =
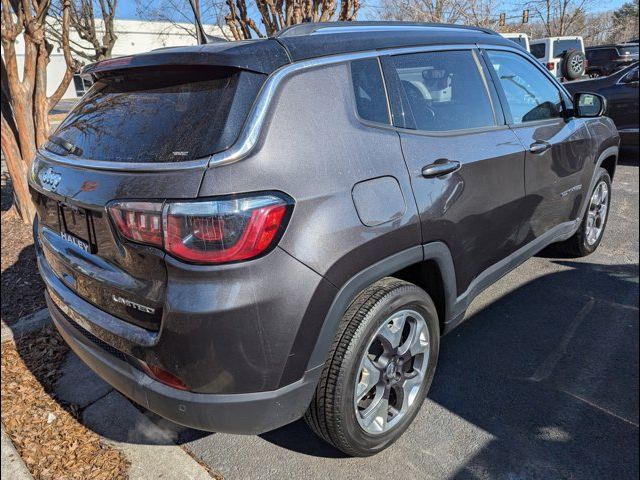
<point>138,134</point>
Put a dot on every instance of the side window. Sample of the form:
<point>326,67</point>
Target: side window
<point>530,94</point>
<point>444,90</point>
<point>538,50</point>
<point>371,100</point>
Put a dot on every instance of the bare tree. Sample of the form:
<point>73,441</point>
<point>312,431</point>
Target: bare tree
<point>559,17</point>
<point>242,19</point>
<point>278,14</point>
<point>480,13</point>
<point>97,34</point>
<point>177,14</point>
<point>439,11</point>
<point>25,104</point>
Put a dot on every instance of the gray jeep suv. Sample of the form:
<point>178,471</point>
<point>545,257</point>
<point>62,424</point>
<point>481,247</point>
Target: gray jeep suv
<point>237,235</point>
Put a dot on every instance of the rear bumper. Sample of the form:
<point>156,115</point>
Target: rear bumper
<point>245,413</point>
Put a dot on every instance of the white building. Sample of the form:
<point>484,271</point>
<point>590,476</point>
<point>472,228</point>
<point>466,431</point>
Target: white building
<point>134,36</point>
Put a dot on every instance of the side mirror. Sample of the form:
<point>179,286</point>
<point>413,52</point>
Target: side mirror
<point>588,105</point>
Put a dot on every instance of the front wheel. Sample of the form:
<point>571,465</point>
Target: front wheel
<point>588,237</point>
<point>379,369</point>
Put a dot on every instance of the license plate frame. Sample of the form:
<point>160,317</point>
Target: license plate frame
<point>76,226</point>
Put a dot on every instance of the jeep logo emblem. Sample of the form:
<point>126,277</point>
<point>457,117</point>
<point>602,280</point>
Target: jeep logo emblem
<point>49,179</point>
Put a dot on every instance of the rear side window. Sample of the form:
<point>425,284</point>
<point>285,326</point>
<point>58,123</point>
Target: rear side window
<point>538,50</point>
<point>151,115</point>
<point>368,87</point>
<point>530,95</point>
<point>444,90</point>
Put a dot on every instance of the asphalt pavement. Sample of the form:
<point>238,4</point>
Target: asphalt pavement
<point>540,382</point>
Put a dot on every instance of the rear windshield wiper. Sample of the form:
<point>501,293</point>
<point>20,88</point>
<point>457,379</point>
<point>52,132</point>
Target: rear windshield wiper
<point>65,145</point>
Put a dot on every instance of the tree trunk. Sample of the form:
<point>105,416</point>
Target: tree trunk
<point>25,106</point>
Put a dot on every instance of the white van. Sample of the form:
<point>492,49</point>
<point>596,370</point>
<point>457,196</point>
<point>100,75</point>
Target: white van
<point>564,57</point>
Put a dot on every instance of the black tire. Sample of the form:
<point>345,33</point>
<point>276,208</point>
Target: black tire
<point>577,245</point>
<point>573,65</point>
<point>332,412</point>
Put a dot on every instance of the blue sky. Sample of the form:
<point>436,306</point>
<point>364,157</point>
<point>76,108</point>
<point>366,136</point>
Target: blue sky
<point>127,8</point>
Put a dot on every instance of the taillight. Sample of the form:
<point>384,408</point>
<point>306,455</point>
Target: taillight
<point>213,231</point>
<point>551,66</point>
<point>139,221</point>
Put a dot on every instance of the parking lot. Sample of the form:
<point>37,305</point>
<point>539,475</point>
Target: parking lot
<point>540,382</point>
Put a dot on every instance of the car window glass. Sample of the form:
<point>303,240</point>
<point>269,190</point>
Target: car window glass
<point>144,115</point>
<point>368,87</point>
<point>530,94</point>
<point>538,50</point>
<point>561,46</point>
<point>629,50</point>
<point>445,90</point>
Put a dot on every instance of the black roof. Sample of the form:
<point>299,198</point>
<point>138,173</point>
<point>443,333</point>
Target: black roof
<point>305,41</point>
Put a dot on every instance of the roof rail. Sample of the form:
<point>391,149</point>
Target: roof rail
<point>322,28</point>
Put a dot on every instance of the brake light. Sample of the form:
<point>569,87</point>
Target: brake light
<point>139,221</point>
<point>213,231</point>
<point>551,66</point>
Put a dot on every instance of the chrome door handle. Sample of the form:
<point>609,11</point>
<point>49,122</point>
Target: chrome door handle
<point>539,147</point>
<point>440,167</point>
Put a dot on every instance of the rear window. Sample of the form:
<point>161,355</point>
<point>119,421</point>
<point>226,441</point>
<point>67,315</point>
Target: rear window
<point>152,115</point>
<point>561,46</point>
<point>601,55</point>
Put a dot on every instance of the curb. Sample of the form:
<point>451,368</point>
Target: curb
<point>150,448</point>
<point>12,465</point>
<point>25,325</point>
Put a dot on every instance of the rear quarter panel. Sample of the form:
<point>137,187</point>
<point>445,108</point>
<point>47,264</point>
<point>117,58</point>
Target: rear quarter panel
<point>315,149</point>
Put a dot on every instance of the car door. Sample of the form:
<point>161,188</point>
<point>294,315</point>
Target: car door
<point>466,167</point>
<point>558,147</point>
<point>622,102</point>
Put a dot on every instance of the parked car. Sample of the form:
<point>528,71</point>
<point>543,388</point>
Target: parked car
<point>521,39</point>
<point>621,93</point>
<point>604,60</point>
<point>237,235</point>
<point>564,57</point>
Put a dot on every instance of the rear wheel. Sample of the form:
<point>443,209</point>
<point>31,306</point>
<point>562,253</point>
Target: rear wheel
<point>379,369</point>
<point>588,237</point>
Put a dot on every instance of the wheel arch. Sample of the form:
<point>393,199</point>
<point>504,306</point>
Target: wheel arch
<point>428,266</point>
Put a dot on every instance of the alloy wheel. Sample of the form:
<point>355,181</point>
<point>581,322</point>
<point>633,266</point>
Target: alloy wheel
<point>597,214</point>
<point>391,372</point>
